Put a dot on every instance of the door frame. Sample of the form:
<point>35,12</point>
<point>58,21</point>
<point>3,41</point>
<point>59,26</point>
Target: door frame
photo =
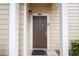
<point>31,29</point>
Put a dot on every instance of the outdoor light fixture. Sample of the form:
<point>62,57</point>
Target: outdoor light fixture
<point>30,11</point>
<point>39,14</point>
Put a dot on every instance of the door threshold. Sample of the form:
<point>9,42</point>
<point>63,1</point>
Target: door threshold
<point>40,49</point>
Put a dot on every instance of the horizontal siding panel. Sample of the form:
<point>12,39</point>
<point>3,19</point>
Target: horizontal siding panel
<point>4,22</point>
<point>4,26</point>
<point>4,40</point>
<point>4,16</point>
<point>4,44</point>
<point>4,12</point>
<point>73,20</point>
<point>75,12</point>
<point>73,28</point>
<point>21,26</point>
<point>6,48</point>
<point>54,33</point>
<point>74,32</point>
<point>4,6</point>
<point>4,37</point>
<point>75,24</point>
<point>73,38</point>
<point>56,45</point>
<point>55,41</point>
<point>21,17</point>
<point>73,9</point>
<point>21,12</point>
<point>21,6</point>
<point>73,17</point>
<point>4,29</point>
<point>4,53</point>
<point>73,4</point>
<point>4,32</point>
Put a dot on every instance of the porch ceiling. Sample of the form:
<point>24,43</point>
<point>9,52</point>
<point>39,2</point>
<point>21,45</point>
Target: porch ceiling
<point>40,7</point>
<point>41,4</point>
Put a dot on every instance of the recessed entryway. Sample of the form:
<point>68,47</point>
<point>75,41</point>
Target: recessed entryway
<point>52,27</point>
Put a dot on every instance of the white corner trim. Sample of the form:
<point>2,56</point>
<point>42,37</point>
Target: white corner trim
<point>13,29</point>
<point>64,29</point>
<point>48,32</point>
<point>31,33</point>
<point>25,51</point>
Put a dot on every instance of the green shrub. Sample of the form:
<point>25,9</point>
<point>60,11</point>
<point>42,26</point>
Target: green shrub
<point>74,48</point>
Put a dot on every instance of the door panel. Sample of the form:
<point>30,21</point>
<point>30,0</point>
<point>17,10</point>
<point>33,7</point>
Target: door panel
<point>39,31</point>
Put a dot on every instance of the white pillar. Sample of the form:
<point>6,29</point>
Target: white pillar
<point>64,29</point>
<point>25,52</point>
<point>13,30</point>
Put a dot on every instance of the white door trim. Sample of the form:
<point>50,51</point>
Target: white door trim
<point>32,29</point>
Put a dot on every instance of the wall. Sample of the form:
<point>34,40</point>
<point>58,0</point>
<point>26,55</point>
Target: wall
<point>4,29</point>
<point>21,19</point>
<point>54,30</point>
<point>73,17</point>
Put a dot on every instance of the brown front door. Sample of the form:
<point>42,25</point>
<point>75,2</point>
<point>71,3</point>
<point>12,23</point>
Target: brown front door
<point>39,31</point>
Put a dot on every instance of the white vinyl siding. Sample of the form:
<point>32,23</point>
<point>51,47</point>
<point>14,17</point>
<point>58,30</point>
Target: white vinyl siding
<point>4,29</point>
<point>54,28</point>
<point>21,18</point>
<point>73,18</point>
